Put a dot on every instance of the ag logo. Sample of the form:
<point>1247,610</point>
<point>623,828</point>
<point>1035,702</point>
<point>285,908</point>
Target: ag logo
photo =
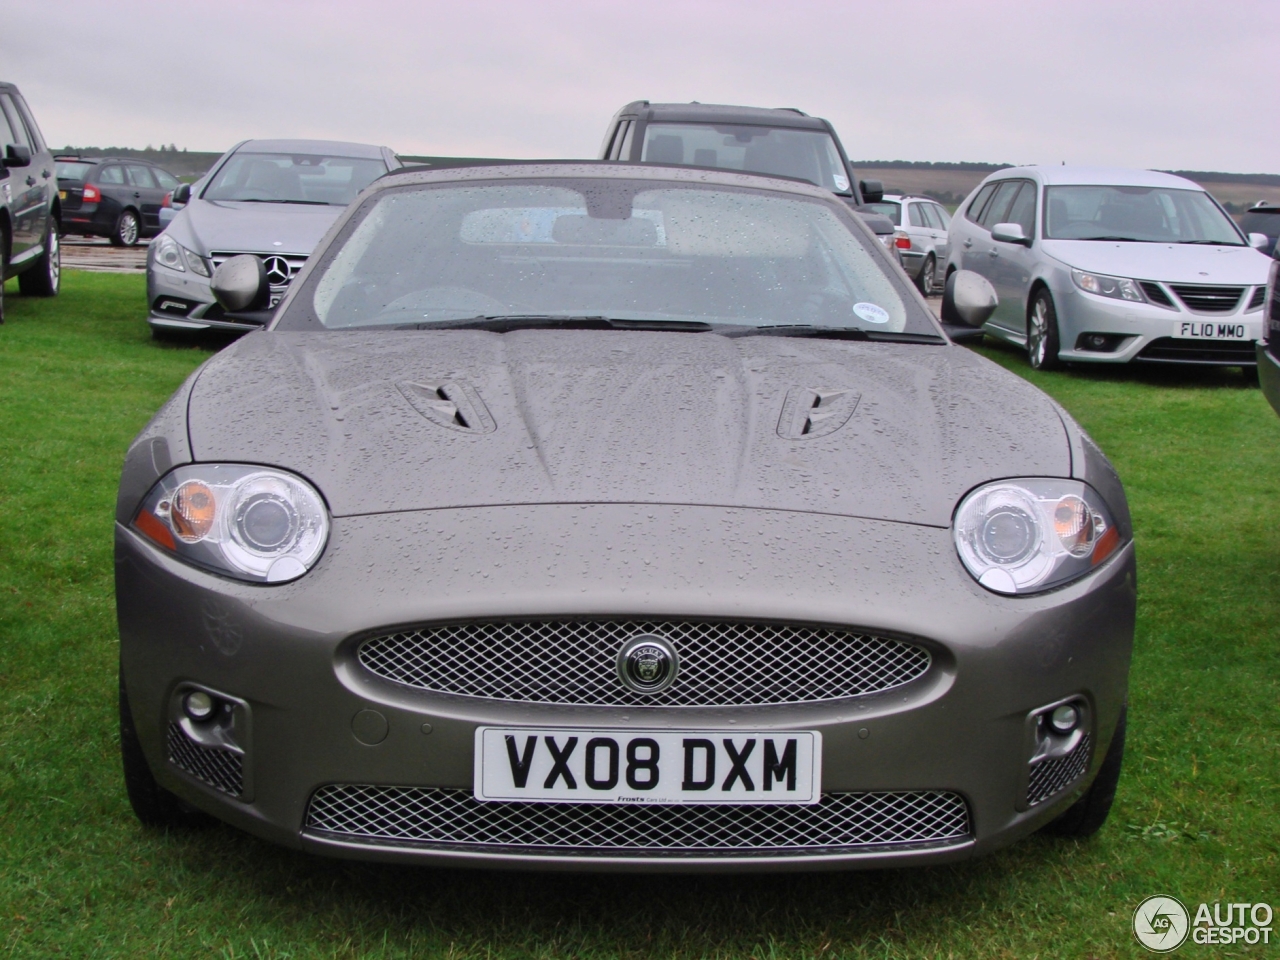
<point>1161,924</point>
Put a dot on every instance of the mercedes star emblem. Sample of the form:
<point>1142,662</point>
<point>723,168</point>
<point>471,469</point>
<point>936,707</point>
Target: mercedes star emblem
<point>647,663</point>
<point>277,270</point>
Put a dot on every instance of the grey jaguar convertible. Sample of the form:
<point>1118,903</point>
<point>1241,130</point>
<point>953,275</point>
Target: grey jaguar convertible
<point>601,516</point>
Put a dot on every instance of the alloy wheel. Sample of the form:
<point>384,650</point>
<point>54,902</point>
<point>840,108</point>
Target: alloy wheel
<point>55,260</point>
<point>128,229</point>
<point>1038,333</point>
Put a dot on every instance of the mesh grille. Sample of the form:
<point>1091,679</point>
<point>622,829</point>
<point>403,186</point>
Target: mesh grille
<point>1225,352</point>
<point>574,661</point>
<point>221,769</point>
<point>1208,299</point>
<point>451,817</point>
<point>1050,776</point>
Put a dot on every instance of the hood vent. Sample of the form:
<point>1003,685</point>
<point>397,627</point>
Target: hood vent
<point>808,412</point>
<point>451,404</point>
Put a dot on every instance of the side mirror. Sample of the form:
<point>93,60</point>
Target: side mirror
<point>1259,241</point>
<point>16,155</point>
<point>181,194</point>
<point>1010,233</point>
<point>970,297</point>
<point>241,284</point>
<point>872,191</point>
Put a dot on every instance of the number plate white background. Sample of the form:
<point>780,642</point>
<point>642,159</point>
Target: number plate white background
<point>1211,330</point>
<point>770,767</point>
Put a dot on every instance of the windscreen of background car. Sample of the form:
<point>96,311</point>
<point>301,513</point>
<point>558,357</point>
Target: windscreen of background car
<point>293,178</point>
<point>616,249</point>
<point>804,154</point>
<point>73,170</point>
<point>1150,214</point>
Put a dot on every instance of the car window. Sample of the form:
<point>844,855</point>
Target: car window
<point>889,209</point>
<point>6,132</point>
<point>111,174</point>
<point>1141,214</point>
<point>979,204</point>
<point>932,214</point>
<point>1023,209</point>
<point>624,150</point>
<point>939,212</point>
<point>292,178</point>
<point>617,249</point>
<point>999,206</point>
<point>166,180</point>
<point>915,213</point>
<point>140,176</point>
<point>73,169</point>
<point>803,154</point>
<point>33,130</point>
<point>18,131</point>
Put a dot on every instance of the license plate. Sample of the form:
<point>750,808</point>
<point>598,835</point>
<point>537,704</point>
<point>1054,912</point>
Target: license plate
<point>1208,330</point>
<point>647,766</point>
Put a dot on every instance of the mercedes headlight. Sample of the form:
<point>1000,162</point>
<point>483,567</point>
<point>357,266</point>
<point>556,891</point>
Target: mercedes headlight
<point>1023,536</point>
<point>251,523</point>
<point>1117,288</point>
<point>169,253</point>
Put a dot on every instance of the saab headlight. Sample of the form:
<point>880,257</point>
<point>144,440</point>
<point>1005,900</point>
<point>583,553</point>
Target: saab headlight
<point>1023,536</point>
<point>1117,288</point>
<point>251,523</point>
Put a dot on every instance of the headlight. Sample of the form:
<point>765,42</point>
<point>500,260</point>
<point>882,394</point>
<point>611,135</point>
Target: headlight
<point>1023,536</point>
<point>251,523</point>
<point>175,256</point>
<point>1118,288</point>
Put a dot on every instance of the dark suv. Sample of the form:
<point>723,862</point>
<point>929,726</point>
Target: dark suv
<point>782,142</point>
<point>28,202</point>
<point>113,197</point>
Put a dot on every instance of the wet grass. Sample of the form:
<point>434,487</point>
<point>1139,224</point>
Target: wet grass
<point>1198,813</point>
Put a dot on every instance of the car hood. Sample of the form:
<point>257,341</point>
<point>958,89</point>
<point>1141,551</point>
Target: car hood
<point>629,417</point>
<point>210,226</point>
<point>1169,262</point>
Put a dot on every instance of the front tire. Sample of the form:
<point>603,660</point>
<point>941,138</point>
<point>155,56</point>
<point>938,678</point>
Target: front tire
<point>1086,816</point>
<point>153,805</point>
<point>1042,332</point>
<point>926,278</point>
<point>44,277</point>
<point>126,231</point>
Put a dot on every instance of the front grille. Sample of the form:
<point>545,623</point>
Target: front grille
<point>722,663</point>
<point>221,769</point>
<point>1231,353</point>
<point>1051,775</point>
<point>296,263</point>
<point>435,817</point>
<point>1208,299</point>
<point>1258,299</point>
<point>1155,293</point>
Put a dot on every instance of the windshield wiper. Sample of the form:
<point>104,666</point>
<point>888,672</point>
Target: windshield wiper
<point>835,333</point>
<point>310,203</point>
<point>1213,243</point>
<point>1119,239</point>
<point>535,321</point>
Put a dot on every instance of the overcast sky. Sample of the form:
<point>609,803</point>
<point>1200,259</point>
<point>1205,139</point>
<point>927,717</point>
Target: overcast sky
<point>1164,83</point>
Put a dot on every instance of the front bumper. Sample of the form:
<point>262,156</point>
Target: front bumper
<point>285,655</point>
<point>1147,333</point>
<point>181,300</point>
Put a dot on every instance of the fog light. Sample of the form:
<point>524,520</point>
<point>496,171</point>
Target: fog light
<point>1063,719</point>
<point>198,705</point>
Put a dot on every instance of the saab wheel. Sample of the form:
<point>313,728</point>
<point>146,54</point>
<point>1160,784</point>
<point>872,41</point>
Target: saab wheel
<point>152,804</point>
<point>925,279</point>
<point>1042,333</point>
<point>125,232</point>
<point>1087,815</point>
<point>44,277</point>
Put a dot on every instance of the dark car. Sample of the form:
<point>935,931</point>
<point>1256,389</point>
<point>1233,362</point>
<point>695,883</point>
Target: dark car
<point>1269,347</point>
<point>29,207</point>
<point>114,197</point>
<point>617,517</point>
<point>1263,218</point>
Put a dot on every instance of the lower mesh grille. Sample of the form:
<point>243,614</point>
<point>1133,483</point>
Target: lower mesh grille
<point>1225,352</point>
<point>1050,776</point>
<point>221,769</point>
<point>437,817</point>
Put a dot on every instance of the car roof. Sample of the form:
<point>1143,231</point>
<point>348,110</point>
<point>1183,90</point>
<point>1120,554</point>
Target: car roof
<point>723,113</point>
<point>903,197</point>
<point>1097,176</point>
<point>603,169</point>
<point>336,148</point>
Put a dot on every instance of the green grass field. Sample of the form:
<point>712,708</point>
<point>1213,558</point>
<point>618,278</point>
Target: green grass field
<point>1197,817</point>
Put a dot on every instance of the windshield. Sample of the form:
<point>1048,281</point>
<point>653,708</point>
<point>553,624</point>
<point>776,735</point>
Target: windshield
<point>73,169</point>
<point>887,208</point>
<point>1150,214</point>
<point>620,250</point>
<point>1256,221</point>
<point>805,154</point>
<point>293,178</point>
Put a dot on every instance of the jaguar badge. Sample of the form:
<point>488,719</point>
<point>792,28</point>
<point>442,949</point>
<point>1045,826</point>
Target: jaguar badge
<point>647,664</point>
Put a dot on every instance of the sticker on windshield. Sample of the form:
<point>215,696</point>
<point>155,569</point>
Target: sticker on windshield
<point>871,313</point>
<point>841,182</point>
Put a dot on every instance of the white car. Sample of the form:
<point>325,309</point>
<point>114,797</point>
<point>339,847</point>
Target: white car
<point>920,234</point>
<point>1112,265</point>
